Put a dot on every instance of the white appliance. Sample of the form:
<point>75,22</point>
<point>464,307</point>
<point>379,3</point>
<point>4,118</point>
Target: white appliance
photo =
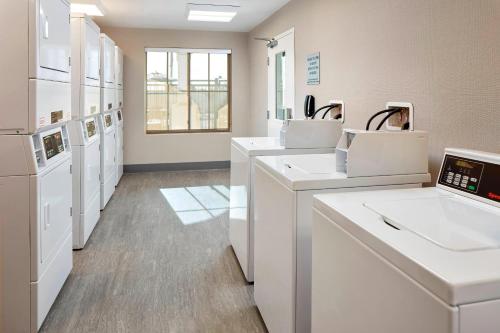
<point>119,112</point>
<point>243,154</point>
<point>35,214</point>
<point>35,87</point>
<point>119,77</point>
<point>305,133</point>
<point>108,85</point>
<point>85,52</point>
<point>119,145</point>
<point>421,260</point>
<point>107,130</point>
<point>85,144</point>
<point>284,190</point>
<point>84,130</point>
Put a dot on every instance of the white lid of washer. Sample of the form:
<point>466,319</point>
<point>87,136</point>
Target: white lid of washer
<point>445,221</point>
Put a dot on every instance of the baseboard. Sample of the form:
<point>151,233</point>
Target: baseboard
<point>191,166</point>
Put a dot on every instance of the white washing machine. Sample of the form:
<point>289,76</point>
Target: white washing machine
<point>119,145</point>
<point>85,143</point>
<point>107,134</point>
<point>243,154</point>
<point>36,226</point>
<point>35,87</point>
<point>284,190</point>
<point>413,261</point>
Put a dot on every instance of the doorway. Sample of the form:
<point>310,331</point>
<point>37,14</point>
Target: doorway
<point>281,81</point>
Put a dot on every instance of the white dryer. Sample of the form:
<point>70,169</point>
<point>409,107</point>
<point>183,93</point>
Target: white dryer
<point>284,190</point>
<point>35,87</point>
<point>244,151</point>
<point>420,260</point>
<point>119,77</point>
<point>108,79</point>
<point>36,226</point>
<point>119,145</point>
<point>107,130</point>
<point>85,143</point>
<point>85,76</point>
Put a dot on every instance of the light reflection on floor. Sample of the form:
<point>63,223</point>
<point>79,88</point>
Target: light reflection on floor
<point>197,204</point>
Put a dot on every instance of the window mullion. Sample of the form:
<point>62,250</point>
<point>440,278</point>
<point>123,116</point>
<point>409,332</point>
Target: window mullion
<point>208,93</point>
<point>167,90</point>
<point>189,89</point>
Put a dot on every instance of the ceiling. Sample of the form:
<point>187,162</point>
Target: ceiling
<point>172,14</point>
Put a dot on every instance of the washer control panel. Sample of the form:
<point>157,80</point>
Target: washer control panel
<point>471,176</point>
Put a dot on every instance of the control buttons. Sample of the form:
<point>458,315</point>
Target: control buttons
<point>474,180</point>
<point>472,187</point>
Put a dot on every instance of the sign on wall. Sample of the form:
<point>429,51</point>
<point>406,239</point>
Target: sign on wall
<point>313,69</point>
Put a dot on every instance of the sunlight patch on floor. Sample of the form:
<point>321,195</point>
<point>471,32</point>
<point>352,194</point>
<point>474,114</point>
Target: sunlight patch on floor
<point>199,203</point>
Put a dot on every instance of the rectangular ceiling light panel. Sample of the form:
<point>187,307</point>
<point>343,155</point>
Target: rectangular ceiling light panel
<point>211,13</point>
<point>88,7</point>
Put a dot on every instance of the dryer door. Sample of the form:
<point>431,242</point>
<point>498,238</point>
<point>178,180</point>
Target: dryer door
<point>92,168</point>
<point>92,53</point>
<point>109,61</point>
<point>109,154</point>
<point>54,35</point>
<point>55,206</point>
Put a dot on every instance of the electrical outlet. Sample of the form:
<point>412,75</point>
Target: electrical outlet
<point>338,110</point>
<point>397,121</point>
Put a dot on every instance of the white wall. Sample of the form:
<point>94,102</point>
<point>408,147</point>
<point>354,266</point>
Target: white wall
<point>443,56</point>
<point>142,148</point>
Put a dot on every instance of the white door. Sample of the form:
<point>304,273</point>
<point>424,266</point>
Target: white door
<point>118,67</point>
<point>109,61</point>
<point>55,206</point>
<point>281,82</point>
<point>55,35</point>
<point>91,52</point>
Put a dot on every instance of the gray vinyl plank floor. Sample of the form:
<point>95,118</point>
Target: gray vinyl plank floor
<point>159,260</point>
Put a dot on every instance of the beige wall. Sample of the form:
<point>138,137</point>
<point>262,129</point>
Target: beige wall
<point>178,148</point>
<point>442,55</point>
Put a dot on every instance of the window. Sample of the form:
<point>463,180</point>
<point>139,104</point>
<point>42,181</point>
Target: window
<point>188,91</point>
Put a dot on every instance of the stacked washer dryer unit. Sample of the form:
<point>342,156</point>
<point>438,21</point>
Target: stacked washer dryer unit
<point>84,134</point>
<point>119,114</point>
<point>107,124</point>
<point>35,172</point>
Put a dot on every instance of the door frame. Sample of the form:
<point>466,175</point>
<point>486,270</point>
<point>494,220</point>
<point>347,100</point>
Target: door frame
<point>273,124</point>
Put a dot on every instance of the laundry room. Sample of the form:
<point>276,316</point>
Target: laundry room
<point>282,166</point>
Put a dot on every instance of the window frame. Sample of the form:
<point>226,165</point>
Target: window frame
<point>189,51</point>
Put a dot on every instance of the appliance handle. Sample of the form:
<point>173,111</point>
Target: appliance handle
<point>46,216</point>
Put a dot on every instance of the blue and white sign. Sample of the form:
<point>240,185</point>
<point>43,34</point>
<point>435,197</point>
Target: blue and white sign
<point>313,69</point>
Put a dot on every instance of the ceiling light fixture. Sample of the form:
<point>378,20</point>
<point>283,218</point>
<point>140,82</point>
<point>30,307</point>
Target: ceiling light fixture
<point>88,7</point>
<point>211,13</point>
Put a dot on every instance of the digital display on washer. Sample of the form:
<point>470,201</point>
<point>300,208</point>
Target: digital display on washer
<point>108,120</point>
<point>471,176</point>
<point>53,145</point>
<point>91,130</point>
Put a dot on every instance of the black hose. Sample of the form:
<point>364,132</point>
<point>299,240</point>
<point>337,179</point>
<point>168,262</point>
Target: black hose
<point>330,109</point>
<point>321,109</point>
<point>334,106</point>
<point>389,115</point>
<point>378,114</point>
